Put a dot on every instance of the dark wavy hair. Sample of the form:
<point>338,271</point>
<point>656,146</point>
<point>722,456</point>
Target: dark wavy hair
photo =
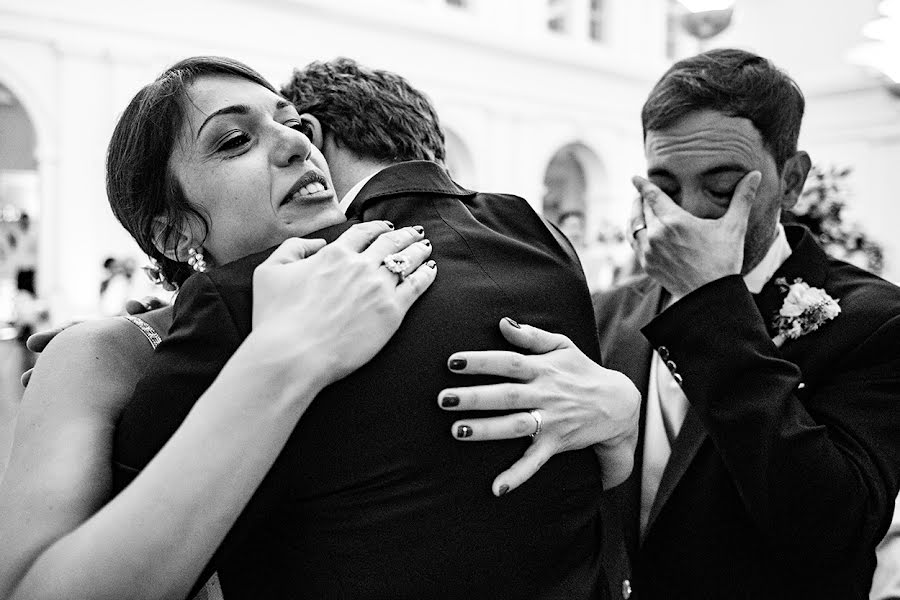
<point>143,193</point>
<point>736,83</point>
<point>376,114</point>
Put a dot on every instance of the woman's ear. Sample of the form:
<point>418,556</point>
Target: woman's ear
<point>174,242</point>
<point>313,130</point>
<point>793,178</point>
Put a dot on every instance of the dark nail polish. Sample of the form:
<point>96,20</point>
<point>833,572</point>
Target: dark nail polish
<point>426,243</point>
<point>503,489</point>
<point>431,264</point>
<point>419,229</point>
<point>463,431</point>
<point>389,224</point>
<point>513,323</point>
<point>458,364</point>
<point>450,400</point>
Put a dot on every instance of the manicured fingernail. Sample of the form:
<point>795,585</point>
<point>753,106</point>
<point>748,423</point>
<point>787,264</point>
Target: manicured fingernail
<point>457,364</point>
<point>419,229</point>
<point>503,489</point>
<point>426,243</point>
<point>450,400</point>
<point>463,431</point>
<point>431,264</point>
<point>513,323</point>
<point>389,224</point>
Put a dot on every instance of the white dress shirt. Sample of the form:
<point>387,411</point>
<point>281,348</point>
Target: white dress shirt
<point>353,192</point>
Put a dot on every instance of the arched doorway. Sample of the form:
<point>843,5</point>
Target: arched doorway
<point>575,182</point>
<point>576,199</point>
<point>20,309</point>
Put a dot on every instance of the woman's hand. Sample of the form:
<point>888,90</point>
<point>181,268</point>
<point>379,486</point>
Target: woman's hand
<point>580,404</point>
<point>338,304</point>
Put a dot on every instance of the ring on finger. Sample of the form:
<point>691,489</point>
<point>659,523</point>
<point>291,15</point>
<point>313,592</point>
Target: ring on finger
<point>397,264</point>
<point>538,422</point>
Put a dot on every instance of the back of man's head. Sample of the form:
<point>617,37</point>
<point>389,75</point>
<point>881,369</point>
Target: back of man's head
<point>735,83</point>
<point>375,114</point>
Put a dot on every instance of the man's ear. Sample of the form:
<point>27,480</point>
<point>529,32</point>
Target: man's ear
<point>793,178</point>
<point>315,135</point>
<point>174,242</point>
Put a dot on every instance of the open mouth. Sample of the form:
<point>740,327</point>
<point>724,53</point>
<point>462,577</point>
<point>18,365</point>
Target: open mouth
<point>310,184</point>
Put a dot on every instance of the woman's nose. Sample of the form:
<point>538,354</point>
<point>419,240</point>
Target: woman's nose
<point>292,146</point>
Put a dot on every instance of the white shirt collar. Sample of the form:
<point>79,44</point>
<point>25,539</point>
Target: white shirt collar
<point>353,192</point>
<point>778,252</point>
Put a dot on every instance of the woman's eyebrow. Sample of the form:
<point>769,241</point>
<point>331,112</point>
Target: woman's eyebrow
<point>237,109</point>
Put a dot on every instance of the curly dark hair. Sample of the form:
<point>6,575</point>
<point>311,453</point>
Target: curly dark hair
<point>142,191</point>
<point>376,114</point>
<point>736,83</point>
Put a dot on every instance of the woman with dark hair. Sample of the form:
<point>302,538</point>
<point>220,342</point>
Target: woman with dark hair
<point>206,165</point>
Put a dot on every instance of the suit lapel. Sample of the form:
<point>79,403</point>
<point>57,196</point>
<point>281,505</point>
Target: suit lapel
<point>807,262</point>
<point>629,352</point>
<point>690,437</point>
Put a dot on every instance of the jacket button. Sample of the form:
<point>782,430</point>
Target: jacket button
<point>626,589</point>
<point>663,352</point>
<point>677,378</point>
<point>672,366</point>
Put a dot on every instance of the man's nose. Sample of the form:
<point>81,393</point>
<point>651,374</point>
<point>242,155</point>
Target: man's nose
<point>291,146</point>
<point>700,207</point>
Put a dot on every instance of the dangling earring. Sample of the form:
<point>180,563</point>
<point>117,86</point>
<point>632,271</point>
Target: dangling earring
<point>195,259</point>
<point>154,271</point>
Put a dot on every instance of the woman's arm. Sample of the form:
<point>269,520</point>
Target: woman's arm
<point>153,539</point>
<point>59,469</point>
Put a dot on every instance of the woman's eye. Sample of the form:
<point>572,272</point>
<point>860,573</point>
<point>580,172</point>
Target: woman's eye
<point>234,142</point>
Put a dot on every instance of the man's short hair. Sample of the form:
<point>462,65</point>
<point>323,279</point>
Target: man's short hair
<point>376,114</point>
<point>735,83</point>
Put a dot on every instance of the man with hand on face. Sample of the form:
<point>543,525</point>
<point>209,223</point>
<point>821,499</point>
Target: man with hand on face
<point>768,458</point>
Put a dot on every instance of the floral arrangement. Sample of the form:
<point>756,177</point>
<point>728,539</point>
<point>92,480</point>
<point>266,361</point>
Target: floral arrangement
<point>805,309</point>
<point>820,208</point>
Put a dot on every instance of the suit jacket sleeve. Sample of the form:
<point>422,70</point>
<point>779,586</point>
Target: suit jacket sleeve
<point>201,339</point>
<point>816,469</point>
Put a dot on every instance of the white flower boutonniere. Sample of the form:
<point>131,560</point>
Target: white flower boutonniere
<point>805,309</point>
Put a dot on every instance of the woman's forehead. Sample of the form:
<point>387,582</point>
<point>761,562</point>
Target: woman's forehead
<point>210,93</point>
<point>226,94</point>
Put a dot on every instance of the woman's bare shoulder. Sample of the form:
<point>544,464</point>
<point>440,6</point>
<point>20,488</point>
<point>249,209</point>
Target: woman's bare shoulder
<point>98,362</point>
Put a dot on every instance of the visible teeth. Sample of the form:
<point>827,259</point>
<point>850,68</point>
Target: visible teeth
<point>311,188</point>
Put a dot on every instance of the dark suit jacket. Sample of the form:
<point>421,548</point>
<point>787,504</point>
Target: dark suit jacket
<point>782,479</point>
<point>371,496</point>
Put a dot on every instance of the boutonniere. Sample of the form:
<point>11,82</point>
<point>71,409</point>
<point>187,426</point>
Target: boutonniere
<point>805,309</point>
